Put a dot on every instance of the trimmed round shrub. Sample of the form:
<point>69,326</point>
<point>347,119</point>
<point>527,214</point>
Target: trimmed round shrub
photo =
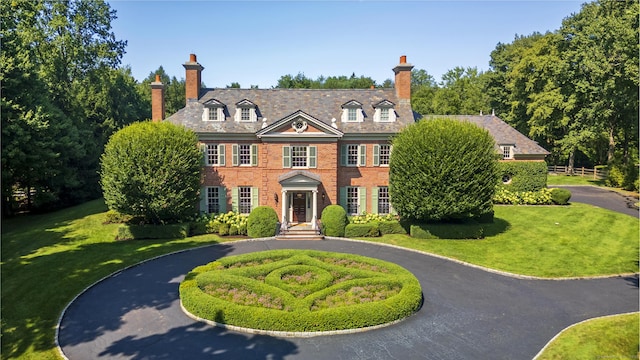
<point>152,171</point>
<point>560,196</point>
<point>334,220</point>
<point>262,222</point>
<point>300,291</point>
<point>442,169</point>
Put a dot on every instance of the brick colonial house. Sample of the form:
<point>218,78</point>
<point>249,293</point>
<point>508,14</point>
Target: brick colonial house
<point>300,150</point>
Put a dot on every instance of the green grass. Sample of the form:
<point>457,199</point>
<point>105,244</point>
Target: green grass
<point>572,180</point>
<point>545,241</point>
<point>614,337</point>
<point>48,259</point>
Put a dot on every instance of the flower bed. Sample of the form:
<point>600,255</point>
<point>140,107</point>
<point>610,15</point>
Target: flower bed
<point>300,291</point>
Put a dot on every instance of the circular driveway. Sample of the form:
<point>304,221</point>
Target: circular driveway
<point>602,197</point>
<point>467,313</point>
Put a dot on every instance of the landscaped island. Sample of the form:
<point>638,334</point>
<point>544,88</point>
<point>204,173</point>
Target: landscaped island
<point>300,291</point>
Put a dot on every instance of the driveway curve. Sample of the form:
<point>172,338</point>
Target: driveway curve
<point>602,197</point>
<point>467,313</point>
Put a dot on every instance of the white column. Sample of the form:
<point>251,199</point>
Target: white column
<point>284,207</point>
<point>314,219</point>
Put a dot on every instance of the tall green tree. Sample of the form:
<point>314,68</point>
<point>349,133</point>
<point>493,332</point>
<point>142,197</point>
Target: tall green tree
<point>301,81</point>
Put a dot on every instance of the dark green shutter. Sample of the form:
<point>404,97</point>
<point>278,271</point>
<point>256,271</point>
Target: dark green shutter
<point>203,150</point>
<point>343,155</point>
<point>234,199</point>
<point>203,200</point>
<point>222,199</point>
<point>376,155</point>
<point>363,155</point>
<point>343,197</point>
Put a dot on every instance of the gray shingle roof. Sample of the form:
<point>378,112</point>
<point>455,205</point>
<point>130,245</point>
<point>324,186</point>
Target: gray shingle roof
<point>275,104</point>
<point>503,133</point>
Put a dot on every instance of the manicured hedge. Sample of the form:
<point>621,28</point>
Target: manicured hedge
<point>470,230</point>
<point>523,175</point>
<point>262,222</point>
<point>334,220</point>
<point>261,276</point>
<point>136,232</point>
<point>391,227</point>
<point>362,230</point>
<point>560,196</point>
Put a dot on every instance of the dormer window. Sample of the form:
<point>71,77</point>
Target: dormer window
<point>246,111</point>
<point>352,112</point>
<point>384,111</point>
<point>506,151</point>
<point>213,111</point>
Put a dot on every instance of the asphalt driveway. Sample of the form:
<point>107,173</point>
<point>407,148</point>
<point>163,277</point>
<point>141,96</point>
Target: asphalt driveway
<point>602,197</point>
<point>467,314</point>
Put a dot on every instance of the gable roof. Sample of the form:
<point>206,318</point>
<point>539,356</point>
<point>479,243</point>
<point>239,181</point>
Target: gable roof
<point>276,104</point>
<point>503,133</point>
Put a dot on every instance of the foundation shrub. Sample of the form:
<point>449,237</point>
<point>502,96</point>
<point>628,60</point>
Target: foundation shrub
<point>362,230</point>
<point>334,220</point>
<point>391,227</point>
<point>560,196</point>
<point>519,176</point>
<point>262,222</point>
<point>137,232</point>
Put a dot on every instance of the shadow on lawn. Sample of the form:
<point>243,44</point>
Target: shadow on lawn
<point>40,279</point>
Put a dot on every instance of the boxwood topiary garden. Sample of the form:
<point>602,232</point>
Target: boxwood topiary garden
<point>300,291</point>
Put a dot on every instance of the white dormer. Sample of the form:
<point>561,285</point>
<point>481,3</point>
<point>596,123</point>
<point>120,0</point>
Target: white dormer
<point>352,112</point>
<point>213,111</point>
<point>245,111</point>
<point>506,150</point>
<point>384,111</point>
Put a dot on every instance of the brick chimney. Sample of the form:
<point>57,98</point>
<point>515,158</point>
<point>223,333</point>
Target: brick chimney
<point>157,100</point>
<point>193,78</point>
<point>403,78</point>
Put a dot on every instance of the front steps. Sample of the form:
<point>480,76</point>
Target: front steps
<point>300,232</point>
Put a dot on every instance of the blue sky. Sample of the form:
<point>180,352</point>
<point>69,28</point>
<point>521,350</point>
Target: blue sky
<point>257,42</point>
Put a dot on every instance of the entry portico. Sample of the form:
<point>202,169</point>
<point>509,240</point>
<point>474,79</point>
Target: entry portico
<point>299,197</point>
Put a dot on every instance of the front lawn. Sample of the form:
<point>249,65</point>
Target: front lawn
<point>611,337</point>
<point>546,241</point>
<point>48,259</point>
<point>562,179</point>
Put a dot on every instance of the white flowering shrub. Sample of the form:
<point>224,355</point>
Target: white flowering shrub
<point>506,197</point>
<point>227,221</point>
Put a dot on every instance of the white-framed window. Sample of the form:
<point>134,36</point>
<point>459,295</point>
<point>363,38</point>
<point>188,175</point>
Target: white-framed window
<point>381,154</point>
<point>245,154</point>
<point>384,112</point>
<point>213,111</point>
<point>384,206</point>
<point>507,151</point>
<point>353,197</point>
<point>214,154</point>
<point>353,155</point>
<point>352,112</point>
<point>213,199</point>
<point>245,111</point>
<point>299,156</point>
<point>244,200</point>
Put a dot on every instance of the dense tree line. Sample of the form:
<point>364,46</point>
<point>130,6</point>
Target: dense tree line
<point>574,90</point>
<point>300,81</point>
<point>63,94</point>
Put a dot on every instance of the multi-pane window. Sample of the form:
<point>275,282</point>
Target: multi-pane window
<point>244,200</point>
<point>352,114</point>
<point>213,200</point>
<point>299,156</point>
<point>244,154</point>
<point>245,114</point>
<point>383,200</point>
<point>385,154</point>
<point>212,154</point>
<point>384,114</point>
<point>506,152</point>
<point>213,114</point>
<point>352,200</point>
<point>352,154</point>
